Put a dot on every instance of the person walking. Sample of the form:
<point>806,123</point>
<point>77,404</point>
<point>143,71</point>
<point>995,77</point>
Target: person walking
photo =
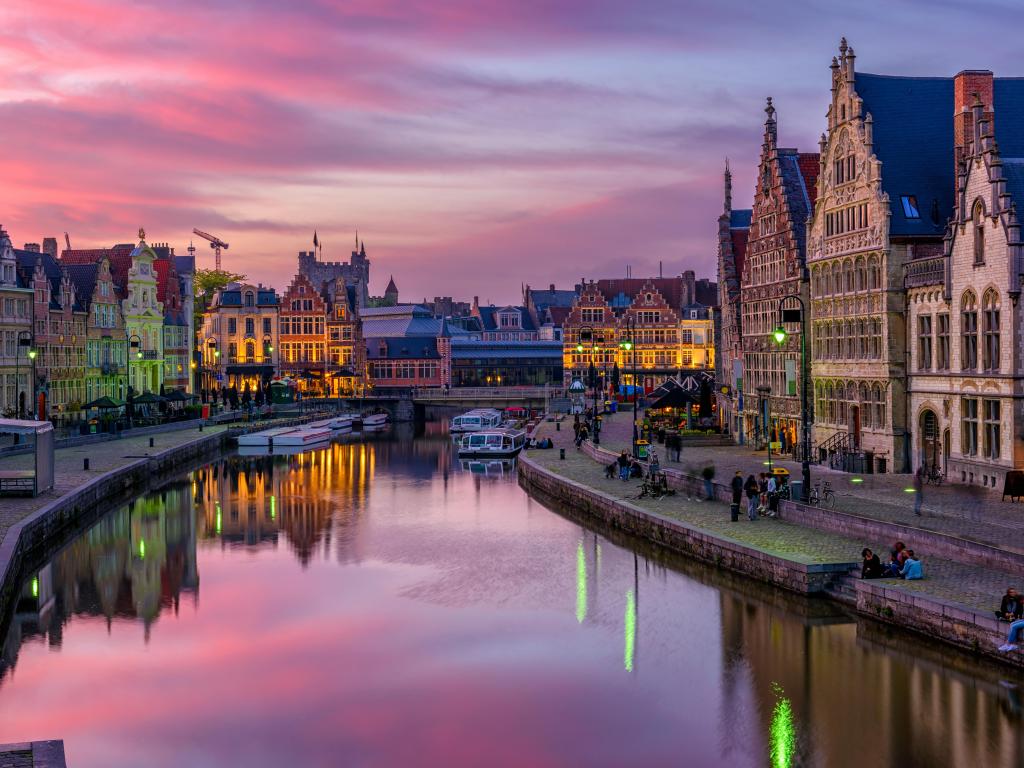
<point>753,491</point>
<point>918,490</point>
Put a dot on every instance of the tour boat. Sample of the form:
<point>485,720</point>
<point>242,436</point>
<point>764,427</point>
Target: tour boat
<point>307,435</point>
<point>342,423</point>
<point>492,442</point>
<point>489,467</point>
<point>475,420</point>
<point>264,438</point>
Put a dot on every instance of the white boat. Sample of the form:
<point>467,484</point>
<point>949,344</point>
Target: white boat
<point>342,423</point>
<point>304,436</point>
<point>489,467</point>
<point>266,437</point>
<point>375,420</point>
<point>475,420</point>
<point>492,442</point>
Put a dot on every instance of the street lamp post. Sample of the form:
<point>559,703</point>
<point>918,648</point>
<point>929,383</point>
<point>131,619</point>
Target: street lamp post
<point>268,353</point>
<point>134,342</point>
<point>630,346</point>
<point>24,340</point>
<point>587,332</point>
<point>780,335</point>
<point>764,395</point>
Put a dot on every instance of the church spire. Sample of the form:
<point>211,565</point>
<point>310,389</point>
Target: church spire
<point>728,187</point>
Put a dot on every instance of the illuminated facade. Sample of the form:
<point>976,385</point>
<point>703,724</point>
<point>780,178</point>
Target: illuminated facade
<point>16,385</point>
<point>303,334</point>
<point>105,337</point>
<point>674,329</point>
<point>239,339</point>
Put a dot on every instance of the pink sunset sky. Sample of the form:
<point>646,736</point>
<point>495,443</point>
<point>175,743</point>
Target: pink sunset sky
<point>474,144</point>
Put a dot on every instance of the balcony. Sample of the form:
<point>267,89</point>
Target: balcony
<point>925,272</point>
<point>110,369</point>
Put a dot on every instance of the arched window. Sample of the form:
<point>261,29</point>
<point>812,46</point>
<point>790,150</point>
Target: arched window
<point>848,276</point>
<point>969,332</point>
<point>865,406</point>
<point>841,404</point>
<point>990,327</point>
<point>250,351</point>
<point>145,298</point>
<point>874,273</point>
<point>830,404</point>
<point>879,399</point>
<point>837,279</point>
<point>816,281</point>
<point>250,299</point>
<point>861,276</point>
<point>978,219</point>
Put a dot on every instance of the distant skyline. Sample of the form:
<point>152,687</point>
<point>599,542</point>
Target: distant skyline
<point>474,145</point>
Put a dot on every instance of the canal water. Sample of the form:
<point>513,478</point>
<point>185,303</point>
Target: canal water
<point>378,604</point>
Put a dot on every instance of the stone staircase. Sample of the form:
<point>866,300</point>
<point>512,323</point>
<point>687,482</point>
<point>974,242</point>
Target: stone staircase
<point>843,588</point>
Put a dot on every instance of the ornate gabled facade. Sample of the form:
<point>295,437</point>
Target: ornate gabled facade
<point>965,323</point>
<point>346,352</point>
<point>16,335</point>
<point>733,233</point>
<point>105,338</point>
<point>774,268</point>
<point>885,187</point>
<point>304,335</point>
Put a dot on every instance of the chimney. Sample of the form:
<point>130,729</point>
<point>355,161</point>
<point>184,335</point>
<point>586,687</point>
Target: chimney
<point>32,247</point>
<point>476,303</point>
<point>552,287</point>
<point>965,85</point>
<point>50,246</point>
<point>689,287</point>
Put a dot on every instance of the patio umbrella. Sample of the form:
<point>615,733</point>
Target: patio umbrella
<point>148,398</point>
<point>177,396</point>
<point>675,398</point>
<point>104,403</point>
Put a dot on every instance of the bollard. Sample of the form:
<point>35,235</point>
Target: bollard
<point>151,442</point>
<point>200,427</point>
<point>734,512</point>
<point>85,464</point>
<point>561,454</point>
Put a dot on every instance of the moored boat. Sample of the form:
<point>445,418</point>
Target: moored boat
<point>475,420</point>
<point>378,419</point>
<point>492,442</point>
<point>265,437</point>
<point>304,436</point>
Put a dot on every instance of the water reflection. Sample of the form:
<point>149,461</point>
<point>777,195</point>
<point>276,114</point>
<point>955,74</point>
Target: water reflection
<point>362,591</point>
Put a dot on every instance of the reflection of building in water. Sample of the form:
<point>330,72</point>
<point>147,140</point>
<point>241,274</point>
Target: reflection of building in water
<point>911,706</point>
<point>251,500</point>
<point>133,564</point>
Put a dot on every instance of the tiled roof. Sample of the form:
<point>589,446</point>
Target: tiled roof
<point>627,288</point>
<point>402,326</point>
<point>1013,171</point>
<point>1008,95</point>
<point>488,316</point>
<point>402,348</point>
<point>119,256</point>
<point>706,293</point>
<point>913,137</point>
<point>83,277</point>
<point>557,315</point>
<point>186,265</point>
<point>398,309</point>
<point>543,299</point>
<point>792,165</point>
<point>51,268</point>
<point>740,219</point>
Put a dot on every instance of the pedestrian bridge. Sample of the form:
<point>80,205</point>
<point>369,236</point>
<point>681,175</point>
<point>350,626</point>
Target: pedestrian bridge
<point>477,397</point>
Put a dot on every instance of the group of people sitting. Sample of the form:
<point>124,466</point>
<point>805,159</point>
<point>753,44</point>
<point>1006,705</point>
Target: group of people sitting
<point>902,564</point>
<point>1011,609</point>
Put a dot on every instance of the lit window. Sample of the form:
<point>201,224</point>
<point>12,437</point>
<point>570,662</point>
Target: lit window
<point>910,206</point>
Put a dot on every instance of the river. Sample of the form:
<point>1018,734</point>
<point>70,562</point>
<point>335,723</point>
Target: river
<point>376,603</point>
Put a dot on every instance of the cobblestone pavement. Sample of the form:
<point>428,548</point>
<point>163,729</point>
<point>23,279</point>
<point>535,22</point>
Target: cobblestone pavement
<point>966,512</point>
<point>69,472</point>
<point>978,589</point>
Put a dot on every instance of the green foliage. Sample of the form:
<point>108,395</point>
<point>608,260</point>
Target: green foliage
<point>206,283</point>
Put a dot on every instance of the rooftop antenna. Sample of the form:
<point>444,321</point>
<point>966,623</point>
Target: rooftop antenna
<point>191,249</point>
<point>660,273</point>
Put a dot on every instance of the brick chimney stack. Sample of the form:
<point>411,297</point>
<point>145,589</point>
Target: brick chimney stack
<point>32,247</point>
<point>965,85</point>
<point>50,246</point>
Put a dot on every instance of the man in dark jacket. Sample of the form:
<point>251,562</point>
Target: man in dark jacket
<point>1012,607</point>
<point>753,491</point>
<point>737,487</point>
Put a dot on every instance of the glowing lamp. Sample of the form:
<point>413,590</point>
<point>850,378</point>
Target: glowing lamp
<point>779,334</point>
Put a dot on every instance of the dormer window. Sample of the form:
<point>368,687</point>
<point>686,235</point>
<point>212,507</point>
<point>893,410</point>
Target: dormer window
<point>250,299</point>
<point>910,209</point>
<point>509,320</point>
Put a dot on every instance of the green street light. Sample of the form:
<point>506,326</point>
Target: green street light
<point>780,335</point>
<point>579,347</point>
<point>627,345</point>
<point>32,354</point>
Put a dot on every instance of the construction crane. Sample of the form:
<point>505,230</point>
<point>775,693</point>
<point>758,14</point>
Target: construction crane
<point>215,242</point>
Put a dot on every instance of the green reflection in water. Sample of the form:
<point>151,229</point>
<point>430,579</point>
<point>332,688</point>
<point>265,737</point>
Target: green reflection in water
<point>35,587</point>
<point>783,731</point>
<point>273,507</point>
<point>218,517</point>
<point>581,583</point>
<point>630,630</point>
<point>142,549</point>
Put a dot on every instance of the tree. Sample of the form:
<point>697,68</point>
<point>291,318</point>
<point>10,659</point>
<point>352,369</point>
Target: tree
<point>206,283</point>
<point>615,378</point>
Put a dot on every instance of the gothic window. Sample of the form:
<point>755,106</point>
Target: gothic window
<point>874,273</point>
<point>848,276</point>
<point>992,429</point>
<point>942,342</point>
<point>969,332</point>
<point>990,310</point>
<point>865,406</point>
<point>879,399</point>
<point>860,282</point>
<point>837,279</point>
<point>978,220</point>
<point>969,426</point>
<point>924,342</point>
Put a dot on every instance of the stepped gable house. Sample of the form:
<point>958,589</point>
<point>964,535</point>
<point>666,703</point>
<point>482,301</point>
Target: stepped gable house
<point>773,268</point>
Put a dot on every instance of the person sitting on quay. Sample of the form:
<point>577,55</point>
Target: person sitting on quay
<point>582,435</point>
<point>893,567</point>
<point>1013,636</point>
<point>1011,608</point>
<point>753,491</point>
<point>871,566</point>
<point>612,470</point>
<point>636,469</point>
<point>912,569</point>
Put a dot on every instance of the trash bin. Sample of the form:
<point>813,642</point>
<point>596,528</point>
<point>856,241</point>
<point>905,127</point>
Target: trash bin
<point>734,512</point>
<point>93,426</point>
<point>613,406</point>
<point>796,490</point>
<point>642,449</point>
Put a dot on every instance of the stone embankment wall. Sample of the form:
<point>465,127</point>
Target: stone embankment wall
<point>676,535</point>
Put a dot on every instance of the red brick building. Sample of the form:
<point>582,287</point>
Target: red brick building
<point>304,335</point>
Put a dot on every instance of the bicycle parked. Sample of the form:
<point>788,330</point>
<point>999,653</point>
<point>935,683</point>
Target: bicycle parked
<point>822,495</point>
<point>933,476</point>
